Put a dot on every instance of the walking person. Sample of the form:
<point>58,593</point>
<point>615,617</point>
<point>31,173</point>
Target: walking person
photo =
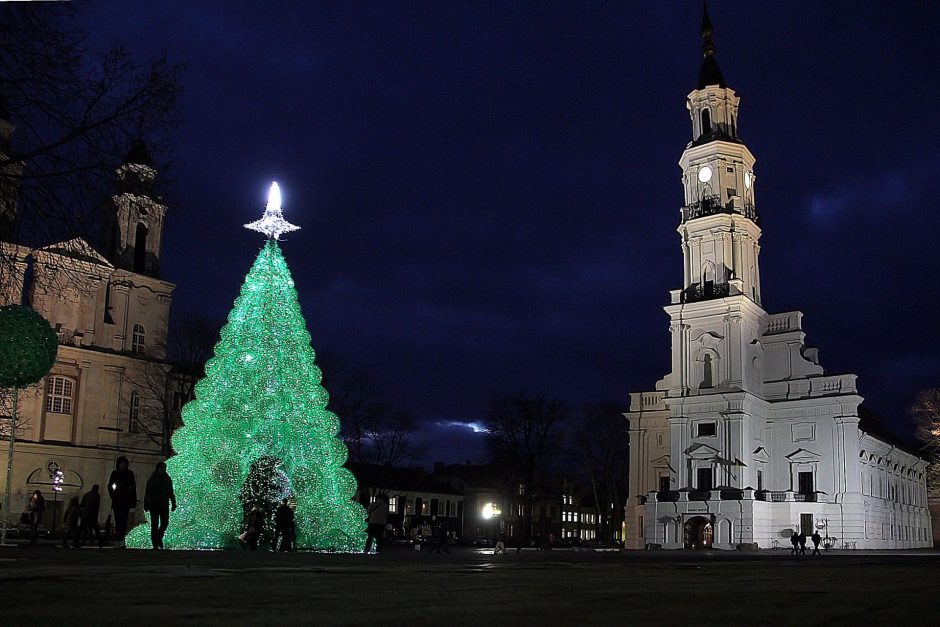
<point>795,544</point>
<point>816,540</point>
<point>35,507</point>
<point>440,535</point>
<point>70,520</point>
<point>802,541</point>
<point>123,491</point>
<point>378,517</point>
<point>254,524</point>
<point>500,544</point>
<point>158,498</point>
<point>91,504</point>
<point>284,527</point>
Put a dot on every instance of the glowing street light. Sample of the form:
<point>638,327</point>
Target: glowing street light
<point>489,511</point>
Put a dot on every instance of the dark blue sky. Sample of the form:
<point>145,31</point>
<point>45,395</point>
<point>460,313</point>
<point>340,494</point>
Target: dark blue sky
<point>489,191</point>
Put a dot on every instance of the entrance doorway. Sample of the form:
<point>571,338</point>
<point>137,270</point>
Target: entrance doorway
<point>699,533</point>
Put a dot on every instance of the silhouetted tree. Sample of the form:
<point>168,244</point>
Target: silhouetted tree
<point>926,413</point>
<point>375,430</point>
<point>600,453</point>
<point>524,436</point>
<point>76,112</point>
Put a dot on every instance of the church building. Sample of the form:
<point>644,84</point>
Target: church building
<point>748,439</point>
<point>108,393</point>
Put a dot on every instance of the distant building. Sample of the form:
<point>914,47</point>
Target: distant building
<point>747,438</point>
<point>415,497</point>
<point>110,311</point>
<point>493,507</point>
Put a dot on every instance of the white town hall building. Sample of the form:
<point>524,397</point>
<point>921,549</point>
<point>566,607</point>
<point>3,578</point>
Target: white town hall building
<point>747,438</point>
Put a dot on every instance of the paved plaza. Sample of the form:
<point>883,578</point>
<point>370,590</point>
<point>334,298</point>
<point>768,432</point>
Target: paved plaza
<point>48,585</point>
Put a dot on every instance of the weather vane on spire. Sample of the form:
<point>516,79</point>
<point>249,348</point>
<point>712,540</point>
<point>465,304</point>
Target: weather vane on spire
<point>272,223</point>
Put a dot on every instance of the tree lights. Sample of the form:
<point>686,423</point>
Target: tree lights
<point>258,429</point>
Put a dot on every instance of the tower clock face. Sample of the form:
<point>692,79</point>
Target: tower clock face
<point>705,174</point>
<point>747,180</point>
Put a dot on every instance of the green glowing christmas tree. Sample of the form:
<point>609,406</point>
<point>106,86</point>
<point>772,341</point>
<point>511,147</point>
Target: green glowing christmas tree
<point>258,429</point>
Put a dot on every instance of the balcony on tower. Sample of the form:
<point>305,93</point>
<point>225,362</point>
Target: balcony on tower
<point>711,205</point>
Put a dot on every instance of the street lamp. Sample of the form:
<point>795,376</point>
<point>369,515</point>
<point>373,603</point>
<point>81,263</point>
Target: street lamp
<point>58,477</point>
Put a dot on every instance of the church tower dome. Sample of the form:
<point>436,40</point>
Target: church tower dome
<point>136,215</point>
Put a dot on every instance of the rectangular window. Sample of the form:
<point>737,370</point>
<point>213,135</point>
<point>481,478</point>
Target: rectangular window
<point>59,395</point>
<point>760,480</point>
<point>641,532</point>
<point>707,429</point>
<point>664,483</point>
<point>806,482</point>
<point>133,413</point>
<point>806,524</point>
<point>393,505</point>
<point>704,476</point>
<point>732,192</point>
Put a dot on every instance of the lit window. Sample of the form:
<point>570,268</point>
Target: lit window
<point>133,413</point>
<point>137,339</point>
<point>392,505</point>
<point>59,395</point>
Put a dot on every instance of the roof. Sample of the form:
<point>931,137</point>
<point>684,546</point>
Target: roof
<point>874,425</point>
<point>709,73</point>
<point>77,248</point>
<point>397,479</point>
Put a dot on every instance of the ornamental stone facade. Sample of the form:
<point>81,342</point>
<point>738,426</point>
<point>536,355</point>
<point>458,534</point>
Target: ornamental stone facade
<point>748,439</point>
<point>107,392</point>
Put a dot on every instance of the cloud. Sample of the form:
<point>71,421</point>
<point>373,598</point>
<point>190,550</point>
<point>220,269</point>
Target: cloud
<point>863,196</point>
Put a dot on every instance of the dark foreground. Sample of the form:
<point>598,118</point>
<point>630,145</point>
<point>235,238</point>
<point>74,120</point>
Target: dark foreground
<point>52,586</point>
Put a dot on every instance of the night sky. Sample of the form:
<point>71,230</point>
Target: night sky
<point>489,192</point>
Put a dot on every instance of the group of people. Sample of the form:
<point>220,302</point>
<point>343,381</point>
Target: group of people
<point>285,533</point>
<point>81,515</point>
<point>798,543</point>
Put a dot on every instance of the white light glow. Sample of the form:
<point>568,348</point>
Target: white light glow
<point>705,174</point>
<point>272,223</point>
<point>487,512</point>
<point>274,197</point>
<point>747,180</point>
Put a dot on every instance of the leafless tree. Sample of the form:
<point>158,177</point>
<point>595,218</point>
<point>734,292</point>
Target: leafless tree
<point>524,436</point>
<point>374,429</point>
<point>76,112</point>
<point>600,453</point>
<point>166,385</point>
<point>926,413</point>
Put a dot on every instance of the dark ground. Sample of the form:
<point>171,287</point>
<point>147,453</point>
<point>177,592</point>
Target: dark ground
<point>53,586</point>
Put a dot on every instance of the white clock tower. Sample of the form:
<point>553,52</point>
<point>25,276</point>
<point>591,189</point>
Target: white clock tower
<point>748,439</point>
<point>713,339</point>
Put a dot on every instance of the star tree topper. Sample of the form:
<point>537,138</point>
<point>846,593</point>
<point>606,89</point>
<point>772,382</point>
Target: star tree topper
<point>272,223</point>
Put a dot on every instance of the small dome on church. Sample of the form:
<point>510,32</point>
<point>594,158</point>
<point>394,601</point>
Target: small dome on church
<point>139,153</point>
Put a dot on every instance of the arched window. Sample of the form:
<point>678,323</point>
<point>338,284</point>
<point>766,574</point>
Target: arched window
<point>706,121</point>
<point>140,247</point>
<point>133,413</point>
<point>138,337</point>
<point>59,395</point>
<point>734,129</point>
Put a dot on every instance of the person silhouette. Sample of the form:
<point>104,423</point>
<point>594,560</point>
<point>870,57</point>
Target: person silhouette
<point>816,540</point>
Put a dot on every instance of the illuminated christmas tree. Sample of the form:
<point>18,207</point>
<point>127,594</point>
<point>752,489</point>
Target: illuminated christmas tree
<point>258,429</point>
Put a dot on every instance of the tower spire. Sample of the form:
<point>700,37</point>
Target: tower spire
<point>709,73</point>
